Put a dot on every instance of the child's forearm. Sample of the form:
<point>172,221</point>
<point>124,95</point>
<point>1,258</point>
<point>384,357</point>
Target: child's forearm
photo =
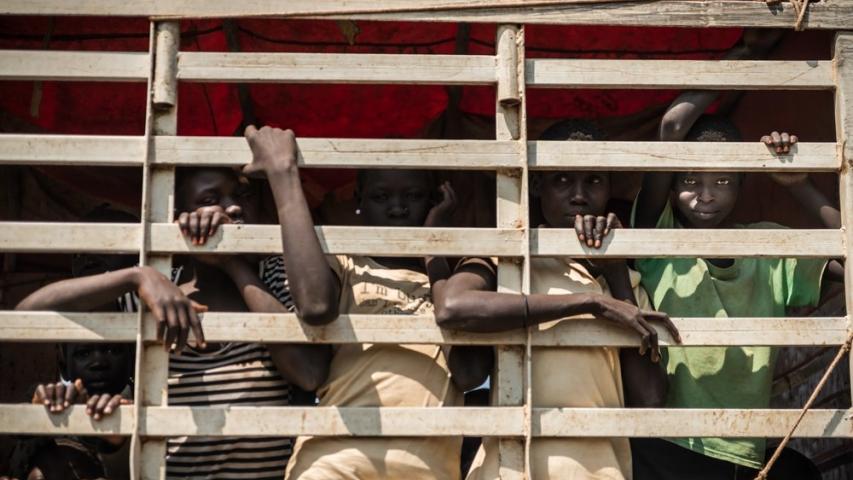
<point>83,293</point>
<point>481,311</point>
<point>816,203</point>
<point>315,289</point>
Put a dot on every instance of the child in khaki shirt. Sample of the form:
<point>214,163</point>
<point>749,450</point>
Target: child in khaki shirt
<point>560,288</point>
<point>360,375</point>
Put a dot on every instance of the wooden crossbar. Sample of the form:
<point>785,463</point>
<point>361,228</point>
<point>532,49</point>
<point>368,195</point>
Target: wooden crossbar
<point>99,150</point>
<point>836,14</point>
<point>417,242</point>
<point>74,66</point>
<point>679,74</point>
<point>444,421</point>
<point>417,329</point>
<point>336,68</point>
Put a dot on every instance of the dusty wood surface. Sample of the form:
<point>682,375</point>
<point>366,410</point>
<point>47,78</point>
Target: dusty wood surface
<point>71,65</point>
<point>336,68</point>
<point>582,331</point>
<point>835,14</point>
<point>680,74</point>
<point>449,421</point>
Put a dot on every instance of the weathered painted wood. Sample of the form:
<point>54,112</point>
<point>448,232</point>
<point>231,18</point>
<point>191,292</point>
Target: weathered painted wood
<point>337,68</point>
<point>669,156</point>
<point>71,65</point>
<point>843,63</point>
<point>333,421</point>
<point>348,153</point>
<point>680,74</point>
<point>720,243</point>
<point>70,237</point>
<point>419,329</point>
<point>450,421</point>
<point>836,14</point>
<point>24,418</point>
<point>612,422</point>
<point>95,150</point>
<point>395,241</point>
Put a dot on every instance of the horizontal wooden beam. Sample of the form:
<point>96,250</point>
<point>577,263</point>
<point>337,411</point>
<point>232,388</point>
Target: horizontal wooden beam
<point>50,237</point>
<point>714,243</point>
<point>680,74</point>
<point>733,423</point>
<point>347,153</point>
<point>671,156</point>
<point>393,241</point>
<point>21,419</point>
<point>95,150</point>
<point>434,154</point>
<point>417,242</point>
<point>444,421</point>
<point>418,329</point>
<point>73,65</point>
<point>337,68</point>
<point>836,14</point>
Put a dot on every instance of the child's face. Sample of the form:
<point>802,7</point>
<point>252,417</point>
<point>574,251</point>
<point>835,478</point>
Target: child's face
<point>564,195</point>
<point>705,199</point>
<point>210,187</point>
<point>395,198</point>
<point>102,367</point>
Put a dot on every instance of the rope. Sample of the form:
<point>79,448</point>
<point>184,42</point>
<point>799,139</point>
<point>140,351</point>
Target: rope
<point>800,7</point>
<point>845,347</point>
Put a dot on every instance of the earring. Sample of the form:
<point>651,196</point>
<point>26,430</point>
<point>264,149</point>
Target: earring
<point>358,211</point>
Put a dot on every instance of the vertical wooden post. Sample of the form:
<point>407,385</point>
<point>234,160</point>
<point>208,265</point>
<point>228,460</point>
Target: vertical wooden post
<point>513,276</point>
<point>843,66</point>
<point>152,367</point>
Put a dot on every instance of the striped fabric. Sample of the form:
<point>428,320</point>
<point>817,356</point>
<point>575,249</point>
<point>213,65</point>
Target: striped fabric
<point>238,374</point>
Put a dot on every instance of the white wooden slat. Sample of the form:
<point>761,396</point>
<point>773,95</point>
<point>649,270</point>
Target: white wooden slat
<point>336,68</point>
<point>22,419</point>
<point>93,150</point>
<point>73,65</point>
<point>713,243</point>
<point>394,241</point>
<point>326,421</point>
<point>612,422</point>
<point>669,156</point>
<point>437,154</point>
<point>416,242</point>
<point>448,421</point>
<point>46,237</point>
<point>349,153</point>
<point>836,14</point>
<point>680,74</point>
<point>421,329</point>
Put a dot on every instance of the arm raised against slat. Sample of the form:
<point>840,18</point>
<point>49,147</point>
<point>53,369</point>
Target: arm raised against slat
<point>681,74</point>
<point>337,68</point>
<point>71,65</point>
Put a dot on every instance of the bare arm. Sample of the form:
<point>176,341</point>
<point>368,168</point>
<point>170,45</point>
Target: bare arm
<point>306,366</point>
<point>679,119</point>
<point>83,294</point>
<point>315,288</point>
<point>176,314</point>
<point>643,377</point>
<point>469,365</point>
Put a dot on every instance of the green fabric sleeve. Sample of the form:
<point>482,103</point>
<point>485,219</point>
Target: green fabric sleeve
<point>803,281</point>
